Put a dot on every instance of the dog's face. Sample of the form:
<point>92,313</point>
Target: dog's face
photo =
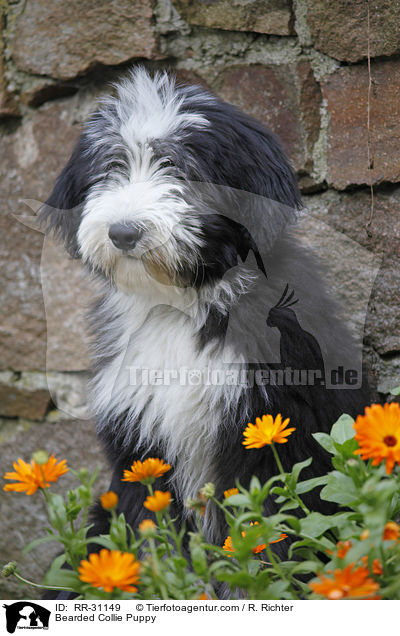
<point>127,202</point>
<point>141,230</point>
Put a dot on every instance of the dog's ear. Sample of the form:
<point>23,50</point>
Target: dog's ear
<point>61,214</point>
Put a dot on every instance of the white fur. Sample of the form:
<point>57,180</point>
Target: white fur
<point>150,109</point>
<point>184,420</point>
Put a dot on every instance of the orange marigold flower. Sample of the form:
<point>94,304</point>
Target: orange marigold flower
<point>158,501</point>
<point>343,548</point>
<point>230,492</point>
<point>228,545</point>
<point>282,536</point>
<point>111,569</point>
<point>346,583</point>
<point>267,430</point>
<point>364,535</point>
<point>378,434</point>
<point>146,471</point>
<point>109,500</point>
<point>391,531</point>
<point>30,477</point>
<point>146,525</point>
<point>376,565</point>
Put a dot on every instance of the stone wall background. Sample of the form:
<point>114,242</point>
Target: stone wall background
<point>300,67</point>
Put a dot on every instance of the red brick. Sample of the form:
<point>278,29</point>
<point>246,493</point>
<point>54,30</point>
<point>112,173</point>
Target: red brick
<point>346,93</point>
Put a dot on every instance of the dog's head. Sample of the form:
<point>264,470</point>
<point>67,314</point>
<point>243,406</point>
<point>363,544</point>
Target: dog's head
<point>147,192</point>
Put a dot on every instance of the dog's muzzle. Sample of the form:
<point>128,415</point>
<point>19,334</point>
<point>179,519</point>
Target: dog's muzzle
<point>124,237</point>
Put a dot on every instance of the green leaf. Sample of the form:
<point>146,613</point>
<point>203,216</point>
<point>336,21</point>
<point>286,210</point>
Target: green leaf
<point>57,576</point>
<point>268,485</point>
<point>316,524</point>
<point>307,547</point>
<point>276,590</point>
<point>340,489</point>
<point>94,475</point>
<point>343,429</point>
<point>395,391</point>
<point>62,578</point>
<point>237,500</point>
<point>254,484</point>
<point>225,564</point>
<point>237,579</point>
<point>294,522</point>
<point>325,441</point>
<point>306,566</point>
<point>198,559</point>
<point>56,510</point>
<point>254,567</point>
<point>309,484</point>
<point>283,492</point>
<point>296,470</point>
<point>288,505</point>
<point>34,544</point>
<point>347,448</point>
<point>105,541</point>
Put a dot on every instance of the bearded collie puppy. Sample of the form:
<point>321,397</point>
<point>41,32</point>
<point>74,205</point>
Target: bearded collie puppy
<point>210,310</point>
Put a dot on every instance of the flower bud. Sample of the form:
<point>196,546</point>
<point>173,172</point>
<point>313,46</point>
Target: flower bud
<point>391,531</point>
<point>196,539</point>
<point>9,569</point>
<point>208,490</point>
<point>41,457</point>
<point>109,500</point>
<point>148,528</point>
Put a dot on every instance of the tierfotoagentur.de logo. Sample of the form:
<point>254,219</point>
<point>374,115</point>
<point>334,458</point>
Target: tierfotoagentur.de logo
<point>26,615</point>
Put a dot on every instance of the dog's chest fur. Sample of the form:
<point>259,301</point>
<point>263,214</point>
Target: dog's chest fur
<point>149,369</point>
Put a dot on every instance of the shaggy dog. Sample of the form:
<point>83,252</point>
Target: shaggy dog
<point>210,311</point>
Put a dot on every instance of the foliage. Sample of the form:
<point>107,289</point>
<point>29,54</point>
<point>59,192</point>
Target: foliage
<point>358,544</point>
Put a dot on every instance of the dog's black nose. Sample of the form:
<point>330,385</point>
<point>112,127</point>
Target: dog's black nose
<point>124,236</point>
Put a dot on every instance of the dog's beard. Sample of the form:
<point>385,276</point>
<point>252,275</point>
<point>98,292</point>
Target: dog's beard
<point>137,270</point>
<point>137,273</point>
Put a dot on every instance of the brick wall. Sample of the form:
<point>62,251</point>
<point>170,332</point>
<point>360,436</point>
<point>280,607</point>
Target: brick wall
<point>300,68</point>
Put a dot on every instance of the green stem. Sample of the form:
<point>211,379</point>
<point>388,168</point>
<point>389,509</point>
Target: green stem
<point>74,560</point>
<point>278,569</point>
<point>224,509</point>
<point>163,529</point>
<point>178,542</point>
<point>160,522</point>
<point>278,460</point>
<point>156,565</point>
<point>43,490</point>
<point>41,587</point>
<point>283,474</point>
<point>384,561</point>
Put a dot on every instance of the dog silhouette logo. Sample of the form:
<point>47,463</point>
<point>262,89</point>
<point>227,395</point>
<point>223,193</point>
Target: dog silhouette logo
<point>26,615</point>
